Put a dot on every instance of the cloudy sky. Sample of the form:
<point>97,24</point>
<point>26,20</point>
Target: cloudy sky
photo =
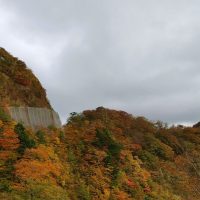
<point>140,56</point>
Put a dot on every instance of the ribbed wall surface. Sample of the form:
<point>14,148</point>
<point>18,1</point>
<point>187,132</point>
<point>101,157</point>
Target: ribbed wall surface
<point>35,117</point>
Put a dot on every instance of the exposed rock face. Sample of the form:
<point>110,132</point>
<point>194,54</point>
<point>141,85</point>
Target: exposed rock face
<point>18,85</point>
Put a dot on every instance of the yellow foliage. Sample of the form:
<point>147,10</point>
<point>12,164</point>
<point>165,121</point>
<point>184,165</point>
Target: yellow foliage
<point>106,193</point>
<point>36,170</point>
<point>41,153</point>
<point>39,164</point>
<point>1,123</point>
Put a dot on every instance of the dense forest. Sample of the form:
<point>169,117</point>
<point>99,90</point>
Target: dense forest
<point>100,154</point>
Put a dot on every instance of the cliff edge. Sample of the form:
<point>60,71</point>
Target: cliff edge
<point>18,85</point>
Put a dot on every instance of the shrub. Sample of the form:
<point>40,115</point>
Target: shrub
<point>40,191</point>
<point>114,149</point>
<point>117,175</point>
<point>83,192</point>
<point>75,118</point>
<point>5,186</point>
<point>157,148</point>
<point>149,159</point>
<point>4,116</point>
<point>41,138</point>
<point>61,136</point>
<point>104,139</point>
<point>71,156</point>
<point>25,141</point>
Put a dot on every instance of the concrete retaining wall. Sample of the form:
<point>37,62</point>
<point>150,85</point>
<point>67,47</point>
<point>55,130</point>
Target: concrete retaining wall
<point>35,117</point>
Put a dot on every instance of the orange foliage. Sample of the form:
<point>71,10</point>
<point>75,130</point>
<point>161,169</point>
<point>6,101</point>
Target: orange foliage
<point>9,143</point>
<point>136,147</point>
<point>38,164</point>
<point>22,79</point>
<point>41,153</point>
<point>1,123</point>
<point>131,184</point>
<point>121,195</point>
<point>9,139</point>
<point>4,155</point>
<point>37,170</point>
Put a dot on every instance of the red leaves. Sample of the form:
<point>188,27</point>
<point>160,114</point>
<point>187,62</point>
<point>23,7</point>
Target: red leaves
<point>131,184</point>
<point>136,147</point>
<point>147,189</point>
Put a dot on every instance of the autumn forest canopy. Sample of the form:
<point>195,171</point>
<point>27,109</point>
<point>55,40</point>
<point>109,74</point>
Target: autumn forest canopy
<point>100,154</point>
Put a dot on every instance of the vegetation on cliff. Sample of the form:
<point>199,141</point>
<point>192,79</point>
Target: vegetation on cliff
<point>18,85</point>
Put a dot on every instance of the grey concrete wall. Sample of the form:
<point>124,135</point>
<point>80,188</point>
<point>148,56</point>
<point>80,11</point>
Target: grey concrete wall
<point>35,117</point>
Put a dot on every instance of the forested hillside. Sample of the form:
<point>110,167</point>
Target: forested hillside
<point>18,85</point>
<point>100,154</point>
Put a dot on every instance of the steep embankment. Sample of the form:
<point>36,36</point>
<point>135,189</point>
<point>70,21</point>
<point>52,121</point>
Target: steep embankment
<point>18,85</point>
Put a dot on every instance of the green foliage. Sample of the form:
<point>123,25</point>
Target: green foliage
<point>83,192</point>
<point>5,186</point>
<point>114,149</point>
<point>25,140</point>
<point>75,118</point>
<point>116,177</point>
<point>149,159</point>
<point>4,116</point>
<point>41,137</point>
<point>113,153</point>
<point>71,156</point>
<point>104,139</point>
<point>169,139</point>
<point>52,128</point>
<point>61,136</point>
<point>41,191</point>
<point>81,146</point>
<point>157,148</point>
<point>147,197</point>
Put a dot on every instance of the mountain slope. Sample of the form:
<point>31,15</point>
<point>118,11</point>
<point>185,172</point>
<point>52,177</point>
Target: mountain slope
<point>18,85</point>
<point>101,154</point>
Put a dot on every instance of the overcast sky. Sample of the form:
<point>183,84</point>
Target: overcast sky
<point>140,56</point>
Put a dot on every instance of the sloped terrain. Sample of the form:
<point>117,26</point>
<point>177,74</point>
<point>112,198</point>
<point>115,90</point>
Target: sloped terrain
<point>100,154</point>
<point>18,85</point>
